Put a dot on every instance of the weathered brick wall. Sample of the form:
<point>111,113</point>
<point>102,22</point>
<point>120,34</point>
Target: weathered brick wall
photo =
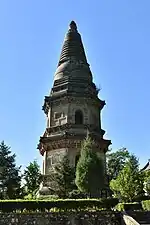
<point>82,218</point>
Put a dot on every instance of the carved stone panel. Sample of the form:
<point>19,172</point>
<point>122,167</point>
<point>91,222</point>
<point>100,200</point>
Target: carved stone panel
<point>59,114</point>
<point>53,157</point>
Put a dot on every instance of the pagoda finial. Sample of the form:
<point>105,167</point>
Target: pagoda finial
<point>73,26</point>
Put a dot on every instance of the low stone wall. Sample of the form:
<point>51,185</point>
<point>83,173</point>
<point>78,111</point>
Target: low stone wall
<point>141,217</point>
<point>128,220</point>
<point>81,218</point>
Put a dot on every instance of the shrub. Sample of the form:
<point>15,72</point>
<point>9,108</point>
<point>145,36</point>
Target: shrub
<point>141,198</point>
<point>128,206</point>
<point>76,194</point>
<point>60,204</point>
<point>146,205</point>
<point>29,197</point>
<point>48,197</point>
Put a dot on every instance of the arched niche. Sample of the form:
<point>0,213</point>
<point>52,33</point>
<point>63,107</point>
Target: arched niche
<point>78,117</point>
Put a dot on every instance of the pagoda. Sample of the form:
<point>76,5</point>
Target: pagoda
<point>72,108</point>
<point>147,166</point>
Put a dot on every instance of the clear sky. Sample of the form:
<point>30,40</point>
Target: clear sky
<point>116,37</point>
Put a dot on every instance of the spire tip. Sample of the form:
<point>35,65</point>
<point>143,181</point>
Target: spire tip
<point>73,25</point>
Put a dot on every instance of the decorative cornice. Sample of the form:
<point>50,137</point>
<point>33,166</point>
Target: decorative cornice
<point>66,139</point>
<point>48,101</point>
<point>67,126</point>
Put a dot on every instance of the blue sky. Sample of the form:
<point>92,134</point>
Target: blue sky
<point>116,37</point>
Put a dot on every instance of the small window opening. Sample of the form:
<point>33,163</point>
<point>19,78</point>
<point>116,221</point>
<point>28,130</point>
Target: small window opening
<point>78,117</point>
<point>57,115</point>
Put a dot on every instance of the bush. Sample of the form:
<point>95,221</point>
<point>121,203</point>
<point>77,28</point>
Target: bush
<point>128,206</point>
<point>146,205</point>
<point>76,194</point>
<point>60,204</point>
<point>29,197</point>
<point>47,197</point>
<point>141,198</point>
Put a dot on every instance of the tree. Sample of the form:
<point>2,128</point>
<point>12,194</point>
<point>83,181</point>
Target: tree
<point>32,177</point>
<point>89,171</point>
<point>116,161</point>
<point>62,179</point>
<point>146,175</point>
<point>10,178</point>
<point>129,182</point>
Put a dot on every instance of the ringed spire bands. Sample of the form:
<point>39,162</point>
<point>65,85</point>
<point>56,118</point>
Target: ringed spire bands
<point>72,56</point>
<point>72,47</point>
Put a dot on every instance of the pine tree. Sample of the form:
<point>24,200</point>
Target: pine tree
<point>32,177</point>
<point>63,178</point>
<point>10,179</point>
<point>89,171</point>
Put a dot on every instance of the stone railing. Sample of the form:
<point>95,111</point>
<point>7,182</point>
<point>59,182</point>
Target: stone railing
<point>78,218</point>
<point>128,220</point>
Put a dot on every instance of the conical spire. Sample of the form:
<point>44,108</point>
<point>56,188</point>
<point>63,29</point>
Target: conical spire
<point>73,63</point>
<point>72,47</point>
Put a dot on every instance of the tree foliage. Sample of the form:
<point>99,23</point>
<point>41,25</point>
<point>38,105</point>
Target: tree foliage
<point>116,161</point>
<point>10,178</point>
<point>146,175</point>
<point>62,178</point>
<point>32,177</point>
<point>129,182</point>
<point>89,171</point>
